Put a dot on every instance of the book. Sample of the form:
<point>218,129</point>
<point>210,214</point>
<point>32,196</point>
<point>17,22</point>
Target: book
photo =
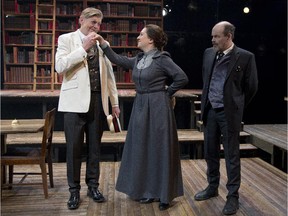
<point>113,124</point>
<point>15,54</point>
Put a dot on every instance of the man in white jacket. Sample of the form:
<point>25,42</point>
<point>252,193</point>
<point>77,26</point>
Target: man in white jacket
<point>88,84</point>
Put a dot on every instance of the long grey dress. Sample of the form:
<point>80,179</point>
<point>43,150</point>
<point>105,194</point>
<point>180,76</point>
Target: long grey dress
<point>150,165</point>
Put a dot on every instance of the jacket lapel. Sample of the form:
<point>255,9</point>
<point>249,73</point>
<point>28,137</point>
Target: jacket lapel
<point>210,61</point>
<point>76,39</point>
<point>234,57</point>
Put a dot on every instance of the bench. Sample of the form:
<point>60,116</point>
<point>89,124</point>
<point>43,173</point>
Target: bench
<point>108,137</point>
<point>190,140</point>
<point>111,142</point>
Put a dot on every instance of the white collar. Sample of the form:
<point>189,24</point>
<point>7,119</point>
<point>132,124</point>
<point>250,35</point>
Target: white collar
<point>229,49</point>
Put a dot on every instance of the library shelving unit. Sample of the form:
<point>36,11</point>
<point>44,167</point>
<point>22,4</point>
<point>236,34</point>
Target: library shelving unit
<point>18,30</point>
<point>44,47</point>
<point>23,36</point>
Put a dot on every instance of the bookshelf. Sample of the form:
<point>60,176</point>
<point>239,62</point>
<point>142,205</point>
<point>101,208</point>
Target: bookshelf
<point>18,43</point>
<point>121,25</point>
<point>44,46</point>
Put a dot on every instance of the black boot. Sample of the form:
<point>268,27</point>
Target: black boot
<point>208,193</point>
<point>74,200</point>
<point>95,194</point>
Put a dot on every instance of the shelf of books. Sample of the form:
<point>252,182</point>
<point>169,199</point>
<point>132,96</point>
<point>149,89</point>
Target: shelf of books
<point>18,43</point>
<point>44,47</point>
<point>123,20</point>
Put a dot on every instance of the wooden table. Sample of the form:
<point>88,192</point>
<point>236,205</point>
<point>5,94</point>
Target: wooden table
<point>271,138</point>
<point>23,126</point>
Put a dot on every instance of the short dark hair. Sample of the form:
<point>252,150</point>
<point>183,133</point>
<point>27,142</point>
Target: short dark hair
<point>157,34</point>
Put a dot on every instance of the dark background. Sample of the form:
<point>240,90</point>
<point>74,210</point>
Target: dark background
<point>263,31</point>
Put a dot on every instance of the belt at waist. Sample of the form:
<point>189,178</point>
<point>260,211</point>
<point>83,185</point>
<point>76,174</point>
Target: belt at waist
<point>219,109</point>
<point>149,91</point>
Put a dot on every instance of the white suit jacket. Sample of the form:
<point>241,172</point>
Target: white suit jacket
<point>71,62</point>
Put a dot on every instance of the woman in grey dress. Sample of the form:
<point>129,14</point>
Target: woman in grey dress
<point>150,166</point>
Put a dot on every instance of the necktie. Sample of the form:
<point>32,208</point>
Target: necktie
<point>219,55</point>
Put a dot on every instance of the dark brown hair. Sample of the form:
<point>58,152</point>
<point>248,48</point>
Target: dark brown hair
<point>157,34</point>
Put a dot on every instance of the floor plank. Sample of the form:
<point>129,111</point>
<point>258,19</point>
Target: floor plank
<point>263,192</point>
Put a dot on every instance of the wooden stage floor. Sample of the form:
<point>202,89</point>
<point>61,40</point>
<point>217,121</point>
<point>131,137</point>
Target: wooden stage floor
<point>263,192</point>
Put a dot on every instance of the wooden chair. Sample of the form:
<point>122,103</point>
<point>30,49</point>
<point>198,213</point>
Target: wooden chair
<point>35,156</point>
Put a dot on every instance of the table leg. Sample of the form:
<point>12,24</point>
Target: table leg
<point>3,150</point>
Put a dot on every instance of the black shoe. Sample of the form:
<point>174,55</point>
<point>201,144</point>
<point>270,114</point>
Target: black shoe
<point>74,200</point>
<point>95,194</point>
<point>163,206</point>
<point>231,206</point>
<point>206,194</point>
<point>146,200</point>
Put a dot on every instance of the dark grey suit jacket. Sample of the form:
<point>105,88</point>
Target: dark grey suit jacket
<point>240,86</point>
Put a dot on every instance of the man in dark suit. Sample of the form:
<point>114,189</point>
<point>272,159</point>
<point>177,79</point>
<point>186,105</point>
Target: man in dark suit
<point>229,83</point>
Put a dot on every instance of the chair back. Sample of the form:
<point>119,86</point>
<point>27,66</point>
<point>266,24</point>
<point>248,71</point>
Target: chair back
<point>48,132</point>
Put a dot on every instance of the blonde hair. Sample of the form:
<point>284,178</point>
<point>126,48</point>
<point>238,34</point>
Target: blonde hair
<point>90,12</point>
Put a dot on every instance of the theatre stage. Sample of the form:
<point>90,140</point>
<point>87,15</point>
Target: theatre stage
<point>263,192</point>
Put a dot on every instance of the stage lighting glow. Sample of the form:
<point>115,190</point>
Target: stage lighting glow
<point>164,12</point>
<point>166,9</point>
<point>246,10</point>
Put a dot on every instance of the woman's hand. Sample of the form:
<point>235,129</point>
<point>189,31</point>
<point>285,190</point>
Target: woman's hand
<point>100,39</point>
<point>89,41</point>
